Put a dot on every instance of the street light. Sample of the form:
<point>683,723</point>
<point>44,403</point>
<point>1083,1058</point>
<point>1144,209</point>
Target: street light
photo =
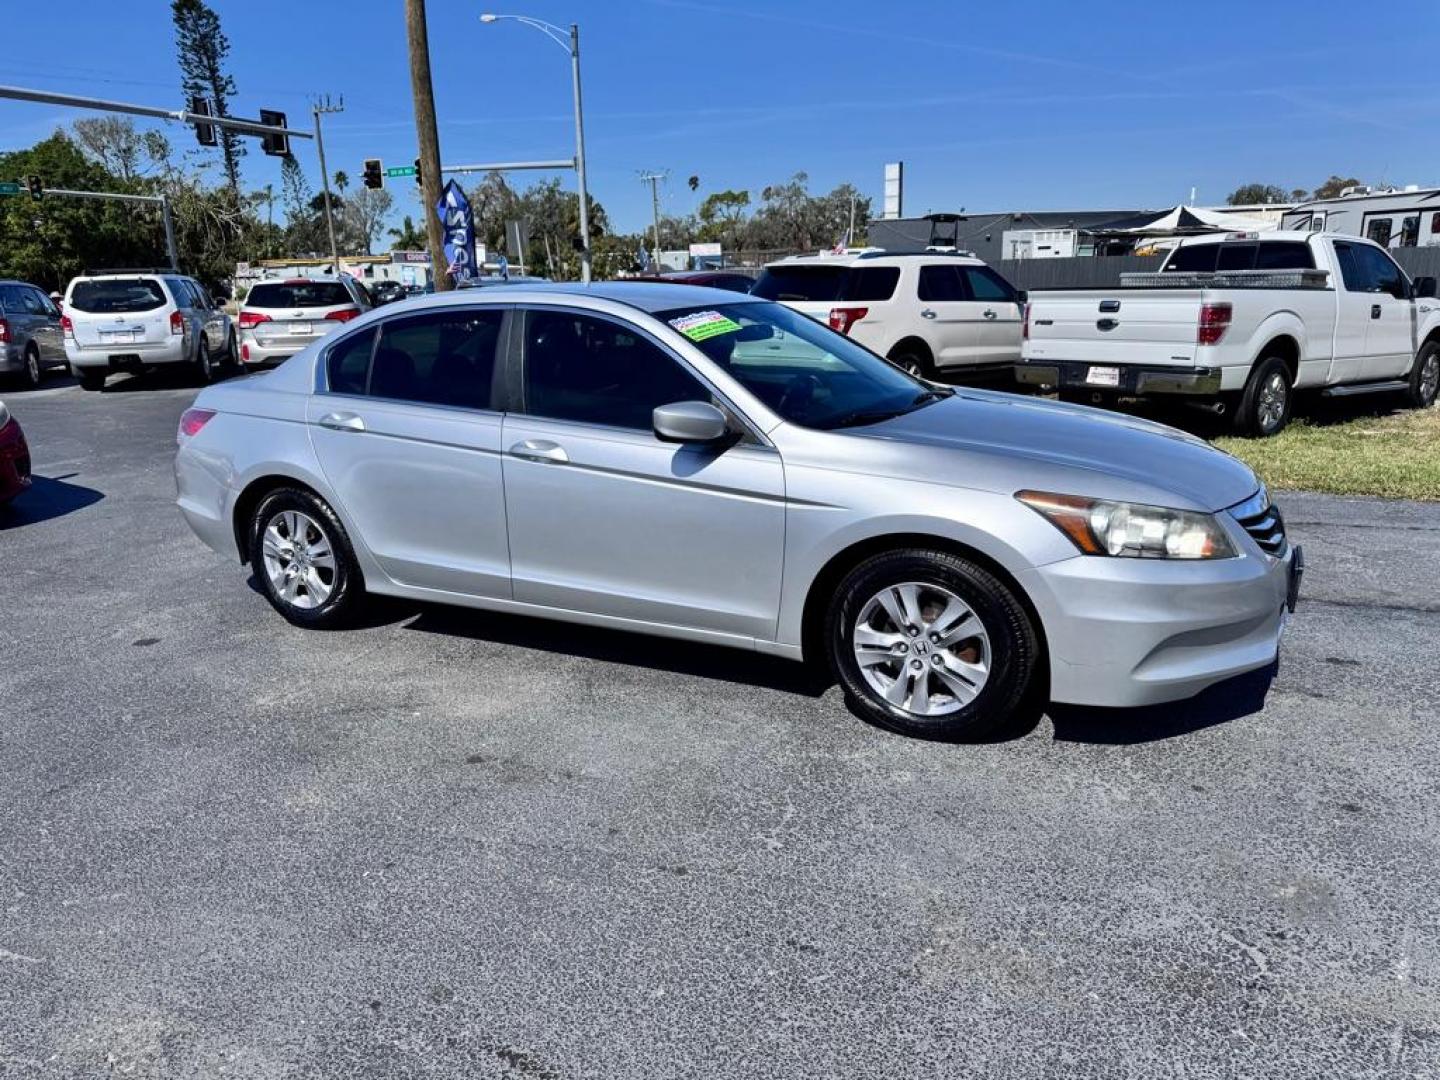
<point>572,46</point>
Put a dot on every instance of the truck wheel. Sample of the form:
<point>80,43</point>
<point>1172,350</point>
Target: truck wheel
<point>1424,377</point>
<point>1267,399</point>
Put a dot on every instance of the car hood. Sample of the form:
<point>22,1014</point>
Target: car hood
<point>1036,434</point>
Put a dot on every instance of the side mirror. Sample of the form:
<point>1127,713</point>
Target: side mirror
<point>690,422</point>
<point>1425,287</point>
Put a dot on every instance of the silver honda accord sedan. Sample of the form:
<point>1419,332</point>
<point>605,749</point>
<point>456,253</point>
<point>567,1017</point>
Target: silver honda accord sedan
<point>703,465</point>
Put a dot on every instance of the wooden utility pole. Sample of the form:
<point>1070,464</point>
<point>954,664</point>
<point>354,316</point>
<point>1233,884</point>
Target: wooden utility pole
<point>426,136</point>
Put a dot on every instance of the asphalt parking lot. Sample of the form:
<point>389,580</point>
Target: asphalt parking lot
<point>456,844</point>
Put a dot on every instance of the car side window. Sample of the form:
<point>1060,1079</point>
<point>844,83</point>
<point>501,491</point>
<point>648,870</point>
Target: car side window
<point>941,284</point>
<point>10,302</point>
<point>987,285</point>
<point>1351,272</point>
<point>36,302</point>
<point>594,371</point>
<point>444,358</point>
<point>1381,272</point>
<point>347,364</point>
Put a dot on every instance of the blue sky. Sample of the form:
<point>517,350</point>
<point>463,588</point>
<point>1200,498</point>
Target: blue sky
<point>1050,104</point>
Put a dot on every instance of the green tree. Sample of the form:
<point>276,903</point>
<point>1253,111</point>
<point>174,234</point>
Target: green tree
<point>1331,188</point>
<point>409,236</point>
<point>1251,194</point>
<point>114,143</point>
<point>364,214</point>
<point>722,214</point>
<point>342,180</point>
<point>202,48</point>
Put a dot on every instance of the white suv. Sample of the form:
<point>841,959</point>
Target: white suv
<point>283,315</point>
<point>125,320</point>
<point>932,311</point>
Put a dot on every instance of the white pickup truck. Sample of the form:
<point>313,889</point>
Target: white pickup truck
<point>1241,321</point>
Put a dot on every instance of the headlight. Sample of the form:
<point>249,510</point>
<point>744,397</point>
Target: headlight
<point>1131,530</point>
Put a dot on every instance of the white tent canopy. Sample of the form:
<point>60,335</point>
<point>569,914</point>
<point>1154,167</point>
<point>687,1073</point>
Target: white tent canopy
<point>1193,221</point>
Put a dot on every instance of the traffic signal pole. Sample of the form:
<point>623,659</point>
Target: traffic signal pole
<point>184,116</point>
<point>147,200</point>
<point>321,109</point>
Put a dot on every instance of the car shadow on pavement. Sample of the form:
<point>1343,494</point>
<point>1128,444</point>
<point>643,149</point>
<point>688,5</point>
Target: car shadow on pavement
<point>46,498</point>
<point>1229,700</point>
<point>622,647</point>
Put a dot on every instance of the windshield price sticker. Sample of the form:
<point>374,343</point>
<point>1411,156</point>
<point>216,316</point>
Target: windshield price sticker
<point>704,324</point>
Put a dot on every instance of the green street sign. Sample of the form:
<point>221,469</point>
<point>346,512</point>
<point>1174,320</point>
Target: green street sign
<point>400,170</point>
<point>7,188</point>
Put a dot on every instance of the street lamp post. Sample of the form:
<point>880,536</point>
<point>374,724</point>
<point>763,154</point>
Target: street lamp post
<point>570,44</point>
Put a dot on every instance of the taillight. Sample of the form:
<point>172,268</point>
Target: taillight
<point>4,332</point>
<point>1025,326</point>
<point>344,314</point>
<point>251,319</point>
<point>192,420</point>
<point>67,326</point>
<point>1214,321</point>
<point>843,318</point>
<point>177,323</point>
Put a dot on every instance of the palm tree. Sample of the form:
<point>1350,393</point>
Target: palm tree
<point>342,180</point>
<point>409,237</point>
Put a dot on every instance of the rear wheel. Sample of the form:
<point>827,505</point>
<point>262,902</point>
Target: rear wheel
<point>932,645</point>
<point>204,363</point>
<point>1424,377</point>
<point>1267,400</point>
<point>914,359</point>
<point>303,560</point>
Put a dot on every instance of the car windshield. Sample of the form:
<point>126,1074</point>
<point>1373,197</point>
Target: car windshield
<point>805,372</point>
<point>297,294</point>
<point>104,296</point>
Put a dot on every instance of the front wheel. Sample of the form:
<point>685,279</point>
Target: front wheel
<point>1267,400</point>
<point>303,560</point>
<point>930,644</point>
<point>1424,377</point>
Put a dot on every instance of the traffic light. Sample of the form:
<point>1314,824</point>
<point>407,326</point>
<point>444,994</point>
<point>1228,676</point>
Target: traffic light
<point>374,176</point>
<point>419,182</point>
<point>274,145</point>
<point>37,189</point>
<point>204,133</point>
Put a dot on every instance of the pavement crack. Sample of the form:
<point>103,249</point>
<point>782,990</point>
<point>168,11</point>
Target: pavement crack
<point>1372,605</point>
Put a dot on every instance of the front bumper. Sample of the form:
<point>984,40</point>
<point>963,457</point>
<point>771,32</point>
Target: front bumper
<point>1134,381</point>
<point>1130,632</point>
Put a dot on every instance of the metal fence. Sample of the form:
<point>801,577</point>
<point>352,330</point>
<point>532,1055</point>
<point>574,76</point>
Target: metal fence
<point>1095,271</point>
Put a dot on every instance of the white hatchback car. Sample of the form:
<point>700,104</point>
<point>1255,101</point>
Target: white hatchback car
<point>127,320</point>
<point>932,311</point>
<point>282,316</point>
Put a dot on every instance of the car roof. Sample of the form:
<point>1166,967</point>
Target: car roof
<point>866,256</point>
<point>647,296</point>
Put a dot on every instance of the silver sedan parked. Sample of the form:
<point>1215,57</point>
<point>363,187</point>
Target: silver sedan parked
<point>703,465</point>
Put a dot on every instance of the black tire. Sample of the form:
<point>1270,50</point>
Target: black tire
<point>1424,377</point>
<point>33,374</point>
<point>347,586</point>
<point>232,352</point>
<point>914,359</point>
<point>1256,413</point>
<point>91,380</point>
<point>204,363</point>
<point>1014,645</point>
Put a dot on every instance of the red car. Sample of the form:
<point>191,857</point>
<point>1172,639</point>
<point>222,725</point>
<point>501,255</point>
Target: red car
<point>715,279</point>
<point>14,457</point>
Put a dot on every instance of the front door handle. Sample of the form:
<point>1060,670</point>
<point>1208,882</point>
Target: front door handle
<point>1374,311</point>
<point>988,313</point>
<point>926,313</point>
<point>342,421</point>
<point>542,450</point>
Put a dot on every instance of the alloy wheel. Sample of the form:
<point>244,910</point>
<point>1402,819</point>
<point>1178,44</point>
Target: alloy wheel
<point>922,648</point>
<point>1430,378</point>
<point>32,367</point>
<point>1270,409</point>
<point>299,559</point>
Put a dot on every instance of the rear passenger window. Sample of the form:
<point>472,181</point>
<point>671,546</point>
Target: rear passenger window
<point>987,285</point>
<point>1284,255</point>
<point>941,284</point>
<point>347,366</point>
<point>870,283</point>
<point>441,359</point>
<point>1350,271</point>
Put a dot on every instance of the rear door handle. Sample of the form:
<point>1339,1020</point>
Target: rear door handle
<point>926,313</point>
<point>1374,311</point>
<point>342,421</point>
<point>542,450</point>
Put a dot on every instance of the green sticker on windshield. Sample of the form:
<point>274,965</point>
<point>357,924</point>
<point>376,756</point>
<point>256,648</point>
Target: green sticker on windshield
<point>700,325</point>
